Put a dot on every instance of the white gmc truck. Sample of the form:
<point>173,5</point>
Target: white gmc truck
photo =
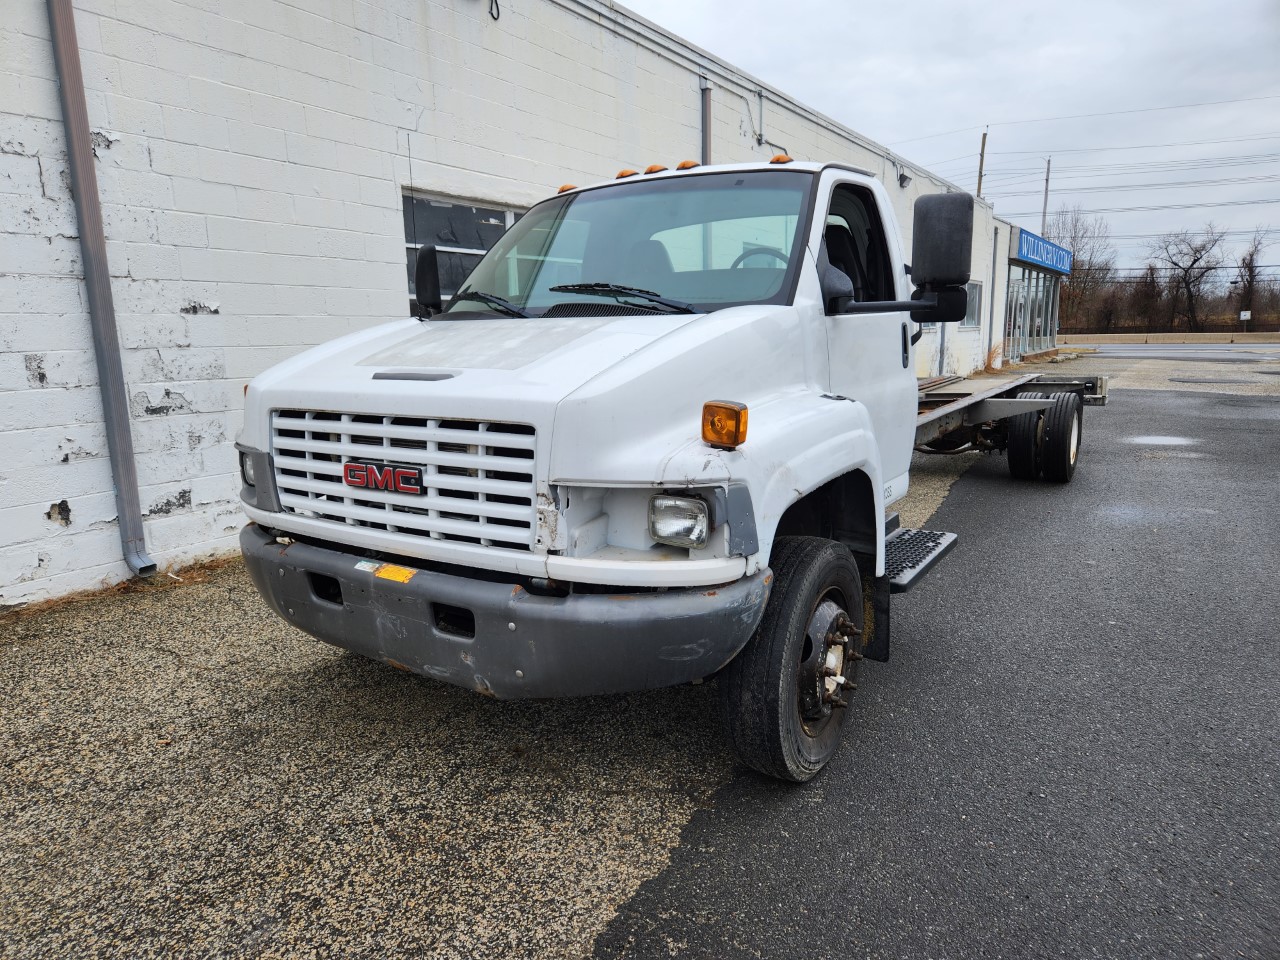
<point>650,440</point>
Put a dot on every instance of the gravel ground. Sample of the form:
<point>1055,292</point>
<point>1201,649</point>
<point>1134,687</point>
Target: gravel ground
<point>181,773</point>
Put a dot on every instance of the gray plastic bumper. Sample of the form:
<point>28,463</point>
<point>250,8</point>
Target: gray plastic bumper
<point>523,645</point>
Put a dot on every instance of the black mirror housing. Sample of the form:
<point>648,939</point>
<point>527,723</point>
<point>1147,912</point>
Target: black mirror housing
<point>948,305</point>
<point>942,242</point>
<point>837,289</point>
<point>426,281</point>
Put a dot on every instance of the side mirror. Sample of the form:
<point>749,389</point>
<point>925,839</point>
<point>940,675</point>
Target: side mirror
<point>948,305</point>
<point>942,241</point>
<point>426,281</point>
<point>941,256</point>
<point>837,289</point>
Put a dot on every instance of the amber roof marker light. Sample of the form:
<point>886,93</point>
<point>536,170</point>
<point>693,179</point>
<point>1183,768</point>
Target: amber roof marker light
<point>724,424</point>
<point>654,168</point>
<point>687,164</point>
<point>781,158</point>
<point>567,187</point>
<point>623,174</point>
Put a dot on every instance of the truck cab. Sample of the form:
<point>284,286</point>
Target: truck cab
<point>649,440</point>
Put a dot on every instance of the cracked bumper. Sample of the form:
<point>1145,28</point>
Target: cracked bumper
<point>522,645</point>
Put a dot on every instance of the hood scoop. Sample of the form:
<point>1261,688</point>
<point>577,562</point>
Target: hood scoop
<point>412,375</point>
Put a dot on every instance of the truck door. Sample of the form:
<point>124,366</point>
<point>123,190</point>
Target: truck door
<point>870,353</point>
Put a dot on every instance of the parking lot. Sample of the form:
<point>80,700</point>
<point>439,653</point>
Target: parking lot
<point>1072,753</point>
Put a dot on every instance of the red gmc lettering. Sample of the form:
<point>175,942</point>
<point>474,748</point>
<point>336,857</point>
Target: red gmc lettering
<point>381,478</point>
<point>407,480</point>
<point>399,479</point>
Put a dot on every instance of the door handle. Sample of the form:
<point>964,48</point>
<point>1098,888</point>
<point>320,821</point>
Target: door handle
<point>906,347</point>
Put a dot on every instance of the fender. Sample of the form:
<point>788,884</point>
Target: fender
<point>794,445</point>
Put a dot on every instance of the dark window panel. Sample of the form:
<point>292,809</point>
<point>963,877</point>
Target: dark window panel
<point>452,225</point>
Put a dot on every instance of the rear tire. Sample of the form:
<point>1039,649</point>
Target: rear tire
<point>783,713</point>
<point>1024,440</point>
<point>1063,430</point>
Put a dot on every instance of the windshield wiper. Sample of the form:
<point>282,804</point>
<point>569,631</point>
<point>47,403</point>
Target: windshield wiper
<point>489,300</point>
<point>618,291</point>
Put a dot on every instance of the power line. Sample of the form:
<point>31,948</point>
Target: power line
<point>1166,206</point>
<point>1086,116</point>
<point>1168,185</point>
<point>1136,146</point>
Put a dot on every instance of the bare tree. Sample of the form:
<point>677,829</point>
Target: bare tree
<point>1092,267</point>
<point>1146,297</point>
<point>1246,282</point>
<point>1190,258</point>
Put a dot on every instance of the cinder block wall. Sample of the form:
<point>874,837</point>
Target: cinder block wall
<point>251,157</point>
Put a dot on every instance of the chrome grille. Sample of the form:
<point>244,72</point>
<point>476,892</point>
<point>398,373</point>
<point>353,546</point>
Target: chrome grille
<point>477,476</point>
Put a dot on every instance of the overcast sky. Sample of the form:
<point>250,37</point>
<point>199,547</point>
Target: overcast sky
<point>924,78</point>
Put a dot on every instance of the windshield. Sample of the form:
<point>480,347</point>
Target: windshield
<point>707,241</point>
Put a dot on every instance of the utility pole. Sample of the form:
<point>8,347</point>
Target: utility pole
<point>982,159</point>
<point>1044,209</point>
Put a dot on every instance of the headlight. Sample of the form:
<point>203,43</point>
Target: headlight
<point>246,470</point>
<point>678,521</point>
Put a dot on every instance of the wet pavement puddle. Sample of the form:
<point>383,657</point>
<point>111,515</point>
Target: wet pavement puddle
<point>1157,440</point>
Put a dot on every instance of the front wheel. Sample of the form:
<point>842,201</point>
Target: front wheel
<point>785,695</point>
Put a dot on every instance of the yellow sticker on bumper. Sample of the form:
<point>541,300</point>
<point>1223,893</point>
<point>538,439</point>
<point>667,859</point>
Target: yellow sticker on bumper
<point>389,571</point>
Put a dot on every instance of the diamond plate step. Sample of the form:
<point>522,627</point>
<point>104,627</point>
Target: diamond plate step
<point>910,554</point>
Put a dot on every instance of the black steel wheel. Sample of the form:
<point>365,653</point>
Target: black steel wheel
<point>785,695</point>
<point>1025,432</point>
<point>1063,430</point>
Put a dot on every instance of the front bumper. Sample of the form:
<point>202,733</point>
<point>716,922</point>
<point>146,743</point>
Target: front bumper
<point>523,645</point>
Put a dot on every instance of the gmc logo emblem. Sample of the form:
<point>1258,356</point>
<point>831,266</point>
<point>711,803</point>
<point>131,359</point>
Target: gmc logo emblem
<point>376,476</point>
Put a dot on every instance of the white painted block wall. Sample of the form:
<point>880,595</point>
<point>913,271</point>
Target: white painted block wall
<point>251,157</point>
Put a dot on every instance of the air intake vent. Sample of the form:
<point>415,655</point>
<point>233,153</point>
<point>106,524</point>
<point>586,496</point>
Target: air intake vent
<point>599,310</point>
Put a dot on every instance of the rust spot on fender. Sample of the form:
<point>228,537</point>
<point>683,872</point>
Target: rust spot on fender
<point>517,590</point>
<point>398,665</point>
<point>712,593</point>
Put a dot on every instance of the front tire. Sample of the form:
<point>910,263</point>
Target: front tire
<point>784,696</point>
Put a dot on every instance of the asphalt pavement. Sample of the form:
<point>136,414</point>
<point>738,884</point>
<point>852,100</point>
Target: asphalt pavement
<point>1193,352</point>
<point>1074,749</point>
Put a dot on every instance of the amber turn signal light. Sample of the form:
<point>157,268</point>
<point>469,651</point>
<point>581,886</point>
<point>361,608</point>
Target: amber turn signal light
<point>724,423</point>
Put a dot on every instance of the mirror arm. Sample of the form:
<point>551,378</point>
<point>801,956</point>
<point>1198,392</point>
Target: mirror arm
<point>928,302</point>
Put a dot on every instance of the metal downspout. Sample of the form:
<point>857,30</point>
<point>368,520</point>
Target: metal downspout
<point>991,299</point>
<point>97,278</point>
<point>705,86</point>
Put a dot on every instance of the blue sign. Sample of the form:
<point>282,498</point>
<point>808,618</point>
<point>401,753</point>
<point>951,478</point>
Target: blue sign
<point>1038,250</point>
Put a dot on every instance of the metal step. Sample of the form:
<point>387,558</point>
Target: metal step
<point>910,554</point>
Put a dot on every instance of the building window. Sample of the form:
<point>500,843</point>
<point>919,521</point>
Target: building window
<point>462,233</point>
<point>973,312</point>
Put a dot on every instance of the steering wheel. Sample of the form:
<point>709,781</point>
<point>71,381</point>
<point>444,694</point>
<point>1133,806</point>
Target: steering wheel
<point>759,251</point>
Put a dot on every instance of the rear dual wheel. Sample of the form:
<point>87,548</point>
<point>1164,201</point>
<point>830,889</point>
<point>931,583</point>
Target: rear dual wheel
<point>785,696</point>
<point>1046,441</point>
<point>1063,428</point>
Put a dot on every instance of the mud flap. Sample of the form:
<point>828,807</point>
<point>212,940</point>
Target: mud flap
<point>875,601</point>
